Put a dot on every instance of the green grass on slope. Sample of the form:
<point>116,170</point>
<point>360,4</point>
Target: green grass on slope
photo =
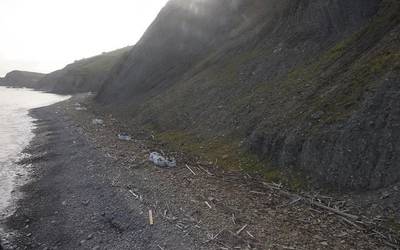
<point>335,83</point>
<point>227,154</point>
<point>99,64</point>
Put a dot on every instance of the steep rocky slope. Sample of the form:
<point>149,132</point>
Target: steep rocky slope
<point>18,78</point>
<point>83,75</point>
<point>309,87</point>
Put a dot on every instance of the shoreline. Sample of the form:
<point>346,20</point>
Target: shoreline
<point>91,191</point>
<point>16,195</point>
<point>17,128</point>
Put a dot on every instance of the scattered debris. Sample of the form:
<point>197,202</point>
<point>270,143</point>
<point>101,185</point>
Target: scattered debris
<point>212,237</point>
<point>286,247</point>
<point>151,221</point>
<point>161,161</point>
<point>356,221</point>
<point>252,236</point>
<point>97,122</point>
<point>317,115</point>
<point>294,201</point>
<point>241,229</point>
<point>385,195</point>
<point>333,210</point>
<point>135,195</point>
<point>243,224</point>
<point>124,137</point>
<point>90,236</point>
<point>256,192</point>
<point>205,170</point>
<point>224,157</point>
<point>79,107</point>
<point>351,223</point>
<point>190,169</point>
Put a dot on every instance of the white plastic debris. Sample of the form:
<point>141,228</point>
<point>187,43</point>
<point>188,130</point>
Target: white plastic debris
<point>79,107</point>
<point>97,122</point>
<point>161,161</point>
<point>124,137</point>
<point>171,163</point>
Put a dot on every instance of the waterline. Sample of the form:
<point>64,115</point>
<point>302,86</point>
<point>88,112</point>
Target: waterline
<point>16,128</point>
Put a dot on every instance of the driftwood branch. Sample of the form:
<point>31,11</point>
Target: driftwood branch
<point>351,219</point>
<point>190,169</point>
<point>333,210</point>
<point>241,229</point>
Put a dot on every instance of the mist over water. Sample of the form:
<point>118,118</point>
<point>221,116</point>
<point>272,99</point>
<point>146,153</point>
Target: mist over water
<point>15,134</point>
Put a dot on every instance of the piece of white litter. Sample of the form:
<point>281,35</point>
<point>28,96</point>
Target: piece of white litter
<point>97,122</point>
<point>161,161</point>
<point>136,196</point>
<point>80,108</point>
<point>171,163</point>
<point>151,219</point>
<point>124,137</point>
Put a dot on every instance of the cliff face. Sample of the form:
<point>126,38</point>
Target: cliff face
<point>308,86</point>
<point>187,31</point>
<point>82,76</point>
<point>21,79</point>
<point>182,34</point>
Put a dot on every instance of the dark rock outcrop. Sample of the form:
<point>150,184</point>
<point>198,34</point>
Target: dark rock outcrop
<point>309,86</point>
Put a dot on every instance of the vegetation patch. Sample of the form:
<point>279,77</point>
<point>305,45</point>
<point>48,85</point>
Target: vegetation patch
<point>228,155</point>
<point>393,225</point>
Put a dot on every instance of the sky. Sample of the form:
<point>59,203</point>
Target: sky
<point>45,35</point>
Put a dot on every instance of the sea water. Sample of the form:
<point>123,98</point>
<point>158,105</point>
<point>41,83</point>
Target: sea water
<point>15,134</point>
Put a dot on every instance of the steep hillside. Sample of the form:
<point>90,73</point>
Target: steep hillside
<point>21,79</point>
<point>83,75</point>
<point>310,88</point>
